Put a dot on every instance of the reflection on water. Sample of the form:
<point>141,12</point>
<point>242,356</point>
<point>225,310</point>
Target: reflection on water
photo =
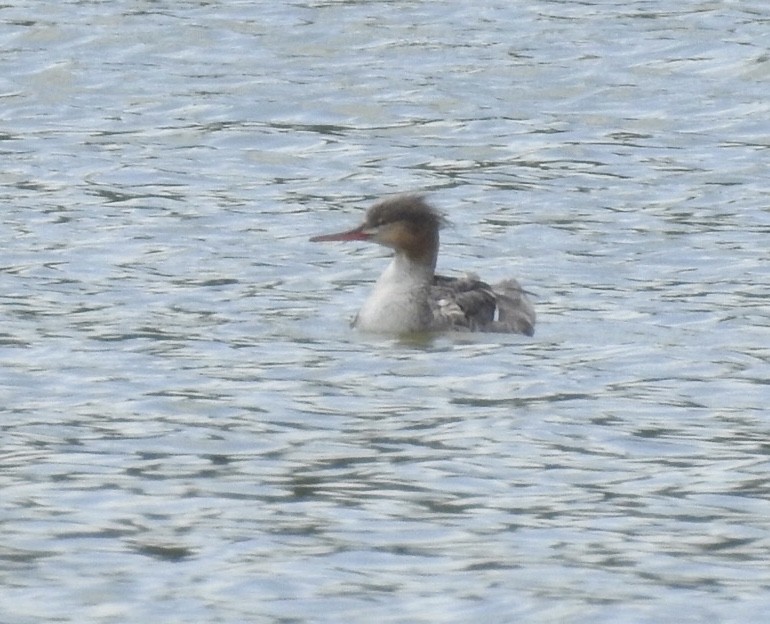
<point>192,430</point>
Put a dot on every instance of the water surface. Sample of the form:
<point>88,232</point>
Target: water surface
<point>193,433</point>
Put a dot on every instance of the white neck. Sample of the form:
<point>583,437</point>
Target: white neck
<point>399,302</point>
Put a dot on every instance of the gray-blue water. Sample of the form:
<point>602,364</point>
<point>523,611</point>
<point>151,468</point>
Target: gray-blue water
<point>192,433</point>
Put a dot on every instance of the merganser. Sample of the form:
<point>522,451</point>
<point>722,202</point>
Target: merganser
<point>409,297</point>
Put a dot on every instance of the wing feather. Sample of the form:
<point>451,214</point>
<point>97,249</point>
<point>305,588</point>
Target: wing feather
<point>469,303</point>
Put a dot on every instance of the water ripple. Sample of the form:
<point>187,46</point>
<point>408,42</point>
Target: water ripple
<point>193,432</point>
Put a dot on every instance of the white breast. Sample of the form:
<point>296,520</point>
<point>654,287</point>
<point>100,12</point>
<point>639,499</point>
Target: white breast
<point>399,302</point>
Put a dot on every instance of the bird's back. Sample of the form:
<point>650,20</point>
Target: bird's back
<point>467,303</point>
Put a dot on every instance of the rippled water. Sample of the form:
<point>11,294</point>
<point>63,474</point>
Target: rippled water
<point>192,433</point>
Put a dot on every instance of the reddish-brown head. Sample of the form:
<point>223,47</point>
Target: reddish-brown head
<point>405,222</point>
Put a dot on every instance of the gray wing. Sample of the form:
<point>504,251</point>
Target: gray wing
<point>468,303</point>
<point>515,312</point>
<point>462,302</point>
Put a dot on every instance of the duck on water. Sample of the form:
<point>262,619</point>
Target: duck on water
<point>410,297</point>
